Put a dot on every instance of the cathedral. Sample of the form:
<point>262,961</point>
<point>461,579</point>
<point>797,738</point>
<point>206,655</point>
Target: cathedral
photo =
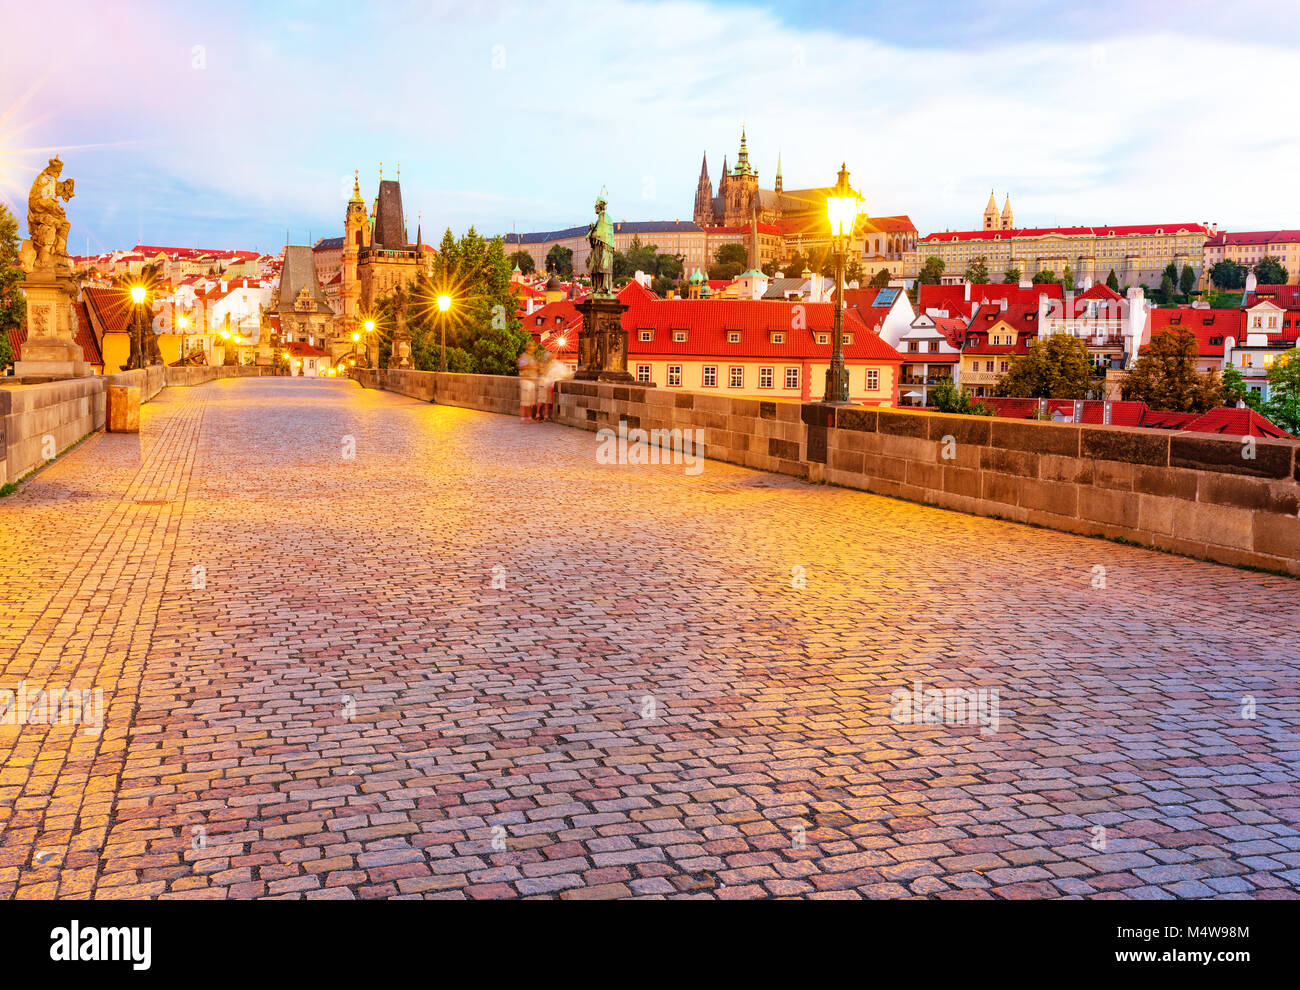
<point>739,200</point>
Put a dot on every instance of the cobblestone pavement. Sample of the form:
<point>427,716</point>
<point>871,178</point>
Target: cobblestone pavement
<point>315,685</point>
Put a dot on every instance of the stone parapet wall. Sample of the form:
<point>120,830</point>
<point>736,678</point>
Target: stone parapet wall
<point>489,393</point>
<point>1218,498</point>
<point>69,409</point>
<point>64,411</point>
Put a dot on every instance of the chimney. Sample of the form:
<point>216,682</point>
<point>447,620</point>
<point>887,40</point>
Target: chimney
<point>1252,283</point>
<point>224,286</point>
<point>966,290</point>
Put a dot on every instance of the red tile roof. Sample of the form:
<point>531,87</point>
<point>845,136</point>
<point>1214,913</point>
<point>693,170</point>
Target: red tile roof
<point>1022,317</point>
<point>297,348</point>
<point>1130,230</point>
<point>1254,237</point>
<point>1211,326</point>
<point>953,297</point>
<point>1224,421</point>
<point>112,308</point>
<point>1286,296</point>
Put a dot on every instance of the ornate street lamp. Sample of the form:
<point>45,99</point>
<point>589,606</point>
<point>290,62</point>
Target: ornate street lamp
<point>444,304</point>
<point>842,208</point>
<point>369,328</point>
<point>136,358</point>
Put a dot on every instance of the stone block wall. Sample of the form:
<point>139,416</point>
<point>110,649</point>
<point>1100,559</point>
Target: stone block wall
<point>489,393</point>
<point>1218,498</point>
<point>64,411</point>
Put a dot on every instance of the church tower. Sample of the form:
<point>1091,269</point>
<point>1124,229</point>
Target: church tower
<point>778,187</point>
<point>742,189</point>
<point>704,196</point>
<point>1008,223</point>
<point>992,219</point>
<point>356,235</point>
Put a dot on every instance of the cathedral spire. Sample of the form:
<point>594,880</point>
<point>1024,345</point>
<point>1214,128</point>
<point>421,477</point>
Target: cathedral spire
<point>742,160</point>
<point>778,172</point>
<point>704,168</point>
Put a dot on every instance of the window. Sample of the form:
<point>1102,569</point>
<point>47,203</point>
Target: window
<point>778,337</point>
<point>710,376</point>
<point>873,380</point>
<point>645,336</point>
<point>847,339</point>
<point>539,321</point>
<point>737,377</point>
<point>988,365</point>
<point>643,373</point>
<point>674,376</point>
<point>1003,367</point>
<point>791,377</point>
<point>823,338</point>
<point>733,336</point>
<point>764,377</point>
<point>679,336</point>
<point>932,346</point>
<point>913,346</point>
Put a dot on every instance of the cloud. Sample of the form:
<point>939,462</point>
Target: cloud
<point>248,121</point>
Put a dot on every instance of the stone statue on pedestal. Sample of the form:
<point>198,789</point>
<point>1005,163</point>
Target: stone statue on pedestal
<point>600,263</point>
<point>400,355</point>
<point>50,350</point>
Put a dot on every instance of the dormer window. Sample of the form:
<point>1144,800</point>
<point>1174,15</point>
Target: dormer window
<point>733,336</point>
<point>823,338</point>
<point>539,321</point>
<point>778,337</point>
<point>679,336</point>
<point>847,339</point>
<point>645,336</point>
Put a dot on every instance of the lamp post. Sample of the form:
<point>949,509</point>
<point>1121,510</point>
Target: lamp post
<point>370,328</point>
<point>444,304</point>
<point>136,358</point>
<point>842,208</point>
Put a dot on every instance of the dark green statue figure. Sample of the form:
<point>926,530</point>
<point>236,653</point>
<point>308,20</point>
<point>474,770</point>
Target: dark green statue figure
<point>600,263</point>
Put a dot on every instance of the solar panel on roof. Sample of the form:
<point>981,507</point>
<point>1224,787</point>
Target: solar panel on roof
<point>886,297</point>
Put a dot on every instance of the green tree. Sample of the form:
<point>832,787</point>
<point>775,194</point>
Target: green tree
<point>1011,276</point>
<point>1045,276</point>
<point>1165,376</point>
<point>1235,390</point>
<point>670,267</point>
<point>1269,271</point>
<point>13,311</point>
<point>977,271</point>
<point>1056,367</point>
<point>1067,279</point>
<point>1112,280</point>
<point>931,271</point>
<point>949,398</point>
<point>1187,280</point>
<point>524,262</point>
<point>559,261</point>
<point>729,261</point>
<point>1283,406</point>
<point>482,326</point>
<point>1228,275</point>
<point>1167,291</point>
<point>880,280</point>
<point>1171,272</point>
<point>853,271</point>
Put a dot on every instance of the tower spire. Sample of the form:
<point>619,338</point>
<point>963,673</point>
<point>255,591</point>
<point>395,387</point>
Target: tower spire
<point>778,172</point>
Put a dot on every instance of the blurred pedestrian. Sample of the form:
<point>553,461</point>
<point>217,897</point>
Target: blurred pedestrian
<point>527,382</point>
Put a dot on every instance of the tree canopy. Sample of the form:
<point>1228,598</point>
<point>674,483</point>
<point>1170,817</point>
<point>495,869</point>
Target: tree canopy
<point>1045,276</point>
<point>729,261</point>
<point>559,261</point>
<point>524,262</point>
<point>13,311</point>
<point>1166,378</point>
<point>1270,271</point>
<point>977,271</point>
<point>1228,275</point>
<point>1283,406</point>
<point>1112,280</point>
<point>1056,367</point>
<point>931,271</point>
<point>949,398</point>
<point>1011,276</point>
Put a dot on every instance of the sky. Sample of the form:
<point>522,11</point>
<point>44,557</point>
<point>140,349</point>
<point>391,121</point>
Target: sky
<point>224,125</point>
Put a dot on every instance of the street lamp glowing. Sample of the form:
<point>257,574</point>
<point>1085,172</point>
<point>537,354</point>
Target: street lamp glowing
<point>182,321</point>
<point>286,355</point>
<point>560,341</point>
<point>444,303</point>
<point>356,337</point>
<point>225,334</point>
<point>842,206</point>
<point>370,326</point>
<point>137,294</point>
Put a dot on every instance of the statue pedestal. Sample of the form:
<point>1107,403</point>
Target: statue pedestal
<point>602,345</point>
<point>51,349</point>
